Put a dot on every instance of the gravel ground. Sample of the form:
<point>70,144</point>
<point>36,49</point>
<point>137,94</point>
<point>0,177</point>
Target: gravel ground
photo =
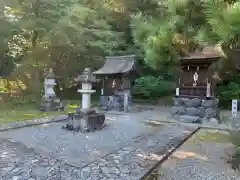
<point>130,162</point>
<point>198,159</point>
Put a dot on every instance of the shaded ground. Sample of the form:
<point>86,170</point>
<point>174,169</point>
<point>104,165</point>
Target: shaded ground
<point>204,156</point>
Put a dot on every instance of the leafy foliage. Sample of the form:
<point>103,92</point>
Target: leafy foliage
<point>223,18</point>
<point>228,91</point>
<point>171,34</point>
<point>148,87</point>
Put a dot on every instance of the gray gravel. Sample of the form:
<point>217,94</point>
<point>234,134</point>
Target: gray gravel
<point>198,160</point>
<point>132,161</point>
<point>125,149</point>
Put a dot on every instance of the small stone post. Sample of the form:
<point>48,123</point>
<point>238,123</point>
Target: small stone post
<point>125,102</point>
<point>87,78</point>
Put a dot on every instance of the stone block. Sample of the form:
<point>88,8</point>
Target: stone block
<point>196,102</point>
<point>101,118</point>
<point>210,113</point>
<point>51,105</point>
<point>88,111</point>
<point>174,110</point>
<point>190,119</point>
<point>177,102</point>
<point>181,110</point>
<point>191,111</point>
<point>209,103</point>
<point>85,122</point>
<point>201,112</point>
<point>188,103</point>
<point>213,121</point>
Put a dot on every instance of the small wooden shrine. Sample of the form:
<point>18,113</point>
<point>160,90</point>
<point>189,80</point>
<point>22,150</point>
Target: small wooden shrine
<point>195,79</point>
<point>195,92</point>
<point>117,76</point>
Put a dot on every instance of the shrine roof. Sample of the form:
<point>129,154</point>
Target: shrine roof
<point>117,65</point>
<point>208,54</point>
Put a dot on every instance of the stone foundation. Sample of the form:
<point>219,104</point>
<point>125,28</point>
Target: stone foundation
<point>195,110</point>
<point>115,102</point>
<point>52,104</point>
<point>85,121</point>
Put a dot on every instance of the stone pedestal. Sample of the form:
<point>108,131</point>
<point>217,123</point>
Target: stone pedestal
<point>195,110</point>
<point>115,102</point>
<point>85,119</point>
<point>51,104</point>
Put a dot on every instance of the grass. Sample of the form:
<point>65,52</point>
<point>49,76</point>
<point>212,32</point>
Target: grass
<point>22,113</point>
<point>9,113</point>
<point>215,136</point>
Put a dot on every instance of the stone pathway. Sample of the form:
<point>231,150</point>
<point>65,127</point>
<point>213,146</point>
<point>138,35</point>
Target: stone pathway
<point>202,157</point>
<point>130,161</point>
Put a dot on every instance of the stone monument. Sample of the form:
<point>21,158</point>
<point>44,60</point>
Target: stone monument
<point>50,102</point>
<point>85,119</point>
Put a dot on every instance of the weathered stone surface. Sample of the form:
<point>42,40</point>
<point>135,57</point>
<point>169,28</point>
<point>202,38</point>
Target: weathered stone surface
<point>178,101</point>
<point>191,111</point>
<point>85,121</point>
<point>209,103</point>
<point>174,110</point>
<point>181,110</point>
<point>201,112</point>
<point>211,113</point>
<point>213,121</point>
<point>178,110</point>
<point>190,119</point>
<point>202,108</point>
<point>196,102</point>
<point>53,104</point>
<point>188,103</point>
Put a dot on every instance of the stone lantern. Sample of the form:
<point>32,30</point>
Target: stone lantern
<point>85,119</point>
<point>49,83</point>
<point>86,79</point>
<point>50,102</point>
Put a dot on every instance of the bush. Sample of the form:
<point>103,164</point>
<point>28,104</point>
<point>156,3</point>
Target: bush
<point>150,87</point>
<point>228,91</point>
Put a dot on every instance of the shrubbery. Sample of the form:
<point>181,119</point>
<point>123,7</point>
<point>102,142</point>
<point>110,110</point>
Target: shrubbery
<point>228,91</point>
<point>150,87</point>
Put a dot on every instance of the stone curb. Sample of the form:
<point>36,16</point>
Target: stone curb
<point>32,122</point>
<point>187,124</point>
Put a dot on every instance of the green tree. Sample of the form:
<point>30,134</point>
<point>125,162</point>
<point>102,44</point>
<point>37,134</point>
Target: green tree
<point>65,34</point>
<point>171,34</point>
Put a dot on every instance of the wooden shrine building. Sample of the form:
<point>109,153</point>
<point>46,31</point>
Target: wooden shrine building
<point>195,92</point>
<point>117,76</point>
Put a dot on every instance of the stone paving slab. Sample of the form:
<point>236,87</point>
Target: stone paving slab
<point>198,159</point>
<point>132,161</point>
